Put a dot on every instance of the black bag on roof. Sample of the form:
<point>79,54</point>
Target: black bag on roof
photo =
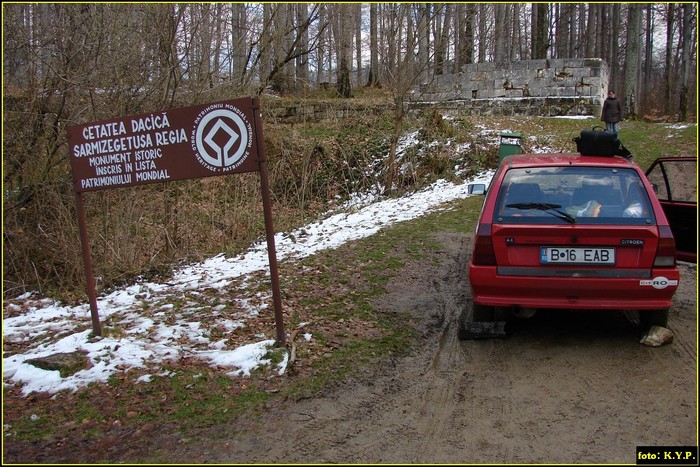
<point>598,142</point>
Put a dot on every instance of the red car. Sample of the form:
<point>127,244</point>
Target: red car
<point>567,231</point>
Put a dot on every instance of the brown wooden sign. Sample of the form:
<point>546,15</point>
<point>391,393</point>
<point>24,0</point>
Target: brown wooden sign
<point>219,138</point>
<point>201,141</point>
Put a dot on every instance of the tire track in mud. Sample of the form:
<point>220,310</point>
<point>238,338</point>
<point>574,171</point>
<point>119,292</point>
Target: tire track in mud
<point>406,416</point>
<point>562,388</point>
<point>400,416</point>
<point>683,316</point>
<point>414,423</point>
<point>441,404</point>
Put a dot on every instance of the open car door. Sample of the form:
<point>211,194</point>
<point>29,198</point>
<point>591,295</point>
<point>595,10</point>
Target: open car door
<point>675,181</point>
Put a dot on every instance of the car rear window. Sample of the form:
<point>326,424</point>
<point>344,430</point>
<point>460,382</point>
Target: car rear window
<point>575,195</point>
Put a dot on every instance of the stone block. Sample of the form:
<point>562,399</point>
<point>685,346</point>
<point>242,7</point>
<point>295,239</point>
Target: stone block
<point>518,92</point>
<point>583,90</point>
<point>487,66</point>
<point>519,65</point>
<point>593,63</point>
<point>556,63</point>
<point>536,64</point>
<point>574,62</point>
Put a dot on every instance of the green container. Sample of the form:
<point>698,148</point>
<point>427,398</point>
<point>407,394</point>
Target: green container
<point>510,145</point>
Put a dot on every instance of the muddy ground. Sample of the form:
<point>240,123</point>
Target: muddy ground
<point>562,388</point>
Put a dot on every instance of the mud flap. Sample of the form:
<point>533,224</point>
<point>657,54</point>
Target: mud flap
<point>471,330</point>
<point>482,330</point>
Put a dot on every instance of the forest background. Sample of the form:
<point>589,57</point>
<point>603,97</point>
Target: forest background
<point>68,64</point>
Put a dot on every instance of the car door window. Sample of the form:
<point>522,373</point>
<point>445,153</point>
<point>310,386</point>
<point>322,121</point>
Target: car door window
<point>675,180</point>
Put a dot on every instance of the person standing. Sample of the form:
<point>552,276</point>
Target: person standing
<point>612,113</point>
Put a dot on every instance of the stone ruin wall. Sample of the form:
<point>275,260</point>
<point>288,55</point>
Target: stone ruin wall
<point>557,87</point>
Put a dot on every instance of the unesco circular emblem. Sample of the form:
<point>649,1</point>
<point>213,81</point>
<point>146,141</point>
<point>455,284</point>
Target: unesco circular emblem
<point>221,138</point>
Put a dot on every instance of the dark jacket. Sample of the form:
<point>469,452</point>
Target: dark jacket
<point>612,110</point>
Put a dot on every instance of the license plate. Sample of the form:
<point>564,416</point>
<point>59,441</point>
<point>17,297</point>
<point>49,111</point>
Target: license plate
<point>558,255</point>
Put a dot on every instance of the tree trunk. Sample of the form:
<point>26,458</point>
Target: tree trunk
<point>634,15</point>
<point>443,40</point>
<point>668,68</point>
<point>342,23</point>
<point>563,23</point>
<point>591,31</point>
<point>517,51</point>
<point>482,33</point>
<point>538,31</point>
<point>648,49</point>
<point>468,42</point>
<point>373,76</point>
<point>501,31</point>
<point>321,50</point>
<point>686,57</point>
<point>302,46</point>
<point>615,48</point>
<point>423,42</point>
<point>239,61</point>
<point>358,43</point>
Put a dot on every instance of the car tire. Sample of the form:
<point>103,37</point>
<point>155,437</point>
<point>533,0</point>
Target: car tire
<point>649,318</point>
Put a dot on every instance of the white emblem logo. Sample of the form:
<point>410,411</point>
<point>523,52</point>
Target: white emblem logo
<point>221,138</point>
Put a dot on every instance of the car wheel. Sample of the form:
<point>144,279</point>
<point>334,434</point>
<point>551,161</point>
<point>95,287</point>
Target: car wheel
<point>649,318</point>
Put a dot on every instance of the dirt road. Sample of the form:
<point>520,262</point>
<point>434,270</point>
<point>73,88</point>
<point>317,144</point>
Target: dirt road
<point>563,388</point>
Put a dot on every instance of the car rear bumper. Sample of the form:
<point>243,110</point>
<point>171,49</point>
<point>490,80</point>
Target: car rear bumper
<point>655,292</point>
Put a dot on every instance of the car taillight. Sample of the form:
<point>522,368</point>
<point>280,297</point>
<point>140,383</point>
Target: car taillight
<point>483,247</point>
<point>666,249</point>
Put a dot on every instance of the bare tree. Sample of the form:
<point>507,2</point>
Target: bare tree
<point>591,37</point>
<point>302,46</point>
<point>500,49</point>
<point>373,76</point>
<point>169,63</point>
<point>614,57</point>
<point>670,18</point>
<point>408,74</point>
<point>282,42</point>
<point>357,31</point>
<point>632,60</point>
<point>464,18</point>
<point>686,57</point>
<point>443,37</point>
<point>239,55</point>
<point>483,11</point>
<point>264,56</point>
<point>648,52</point>
<point>423,33</point>
<point>564,25</point>
<point>391,35</point>
<point>321,50</point>
<point>342,32</point>
<point>538,31</point>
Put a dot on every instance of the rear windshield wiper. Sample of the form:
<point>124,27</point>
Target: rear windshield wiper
<point>549,208</point>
